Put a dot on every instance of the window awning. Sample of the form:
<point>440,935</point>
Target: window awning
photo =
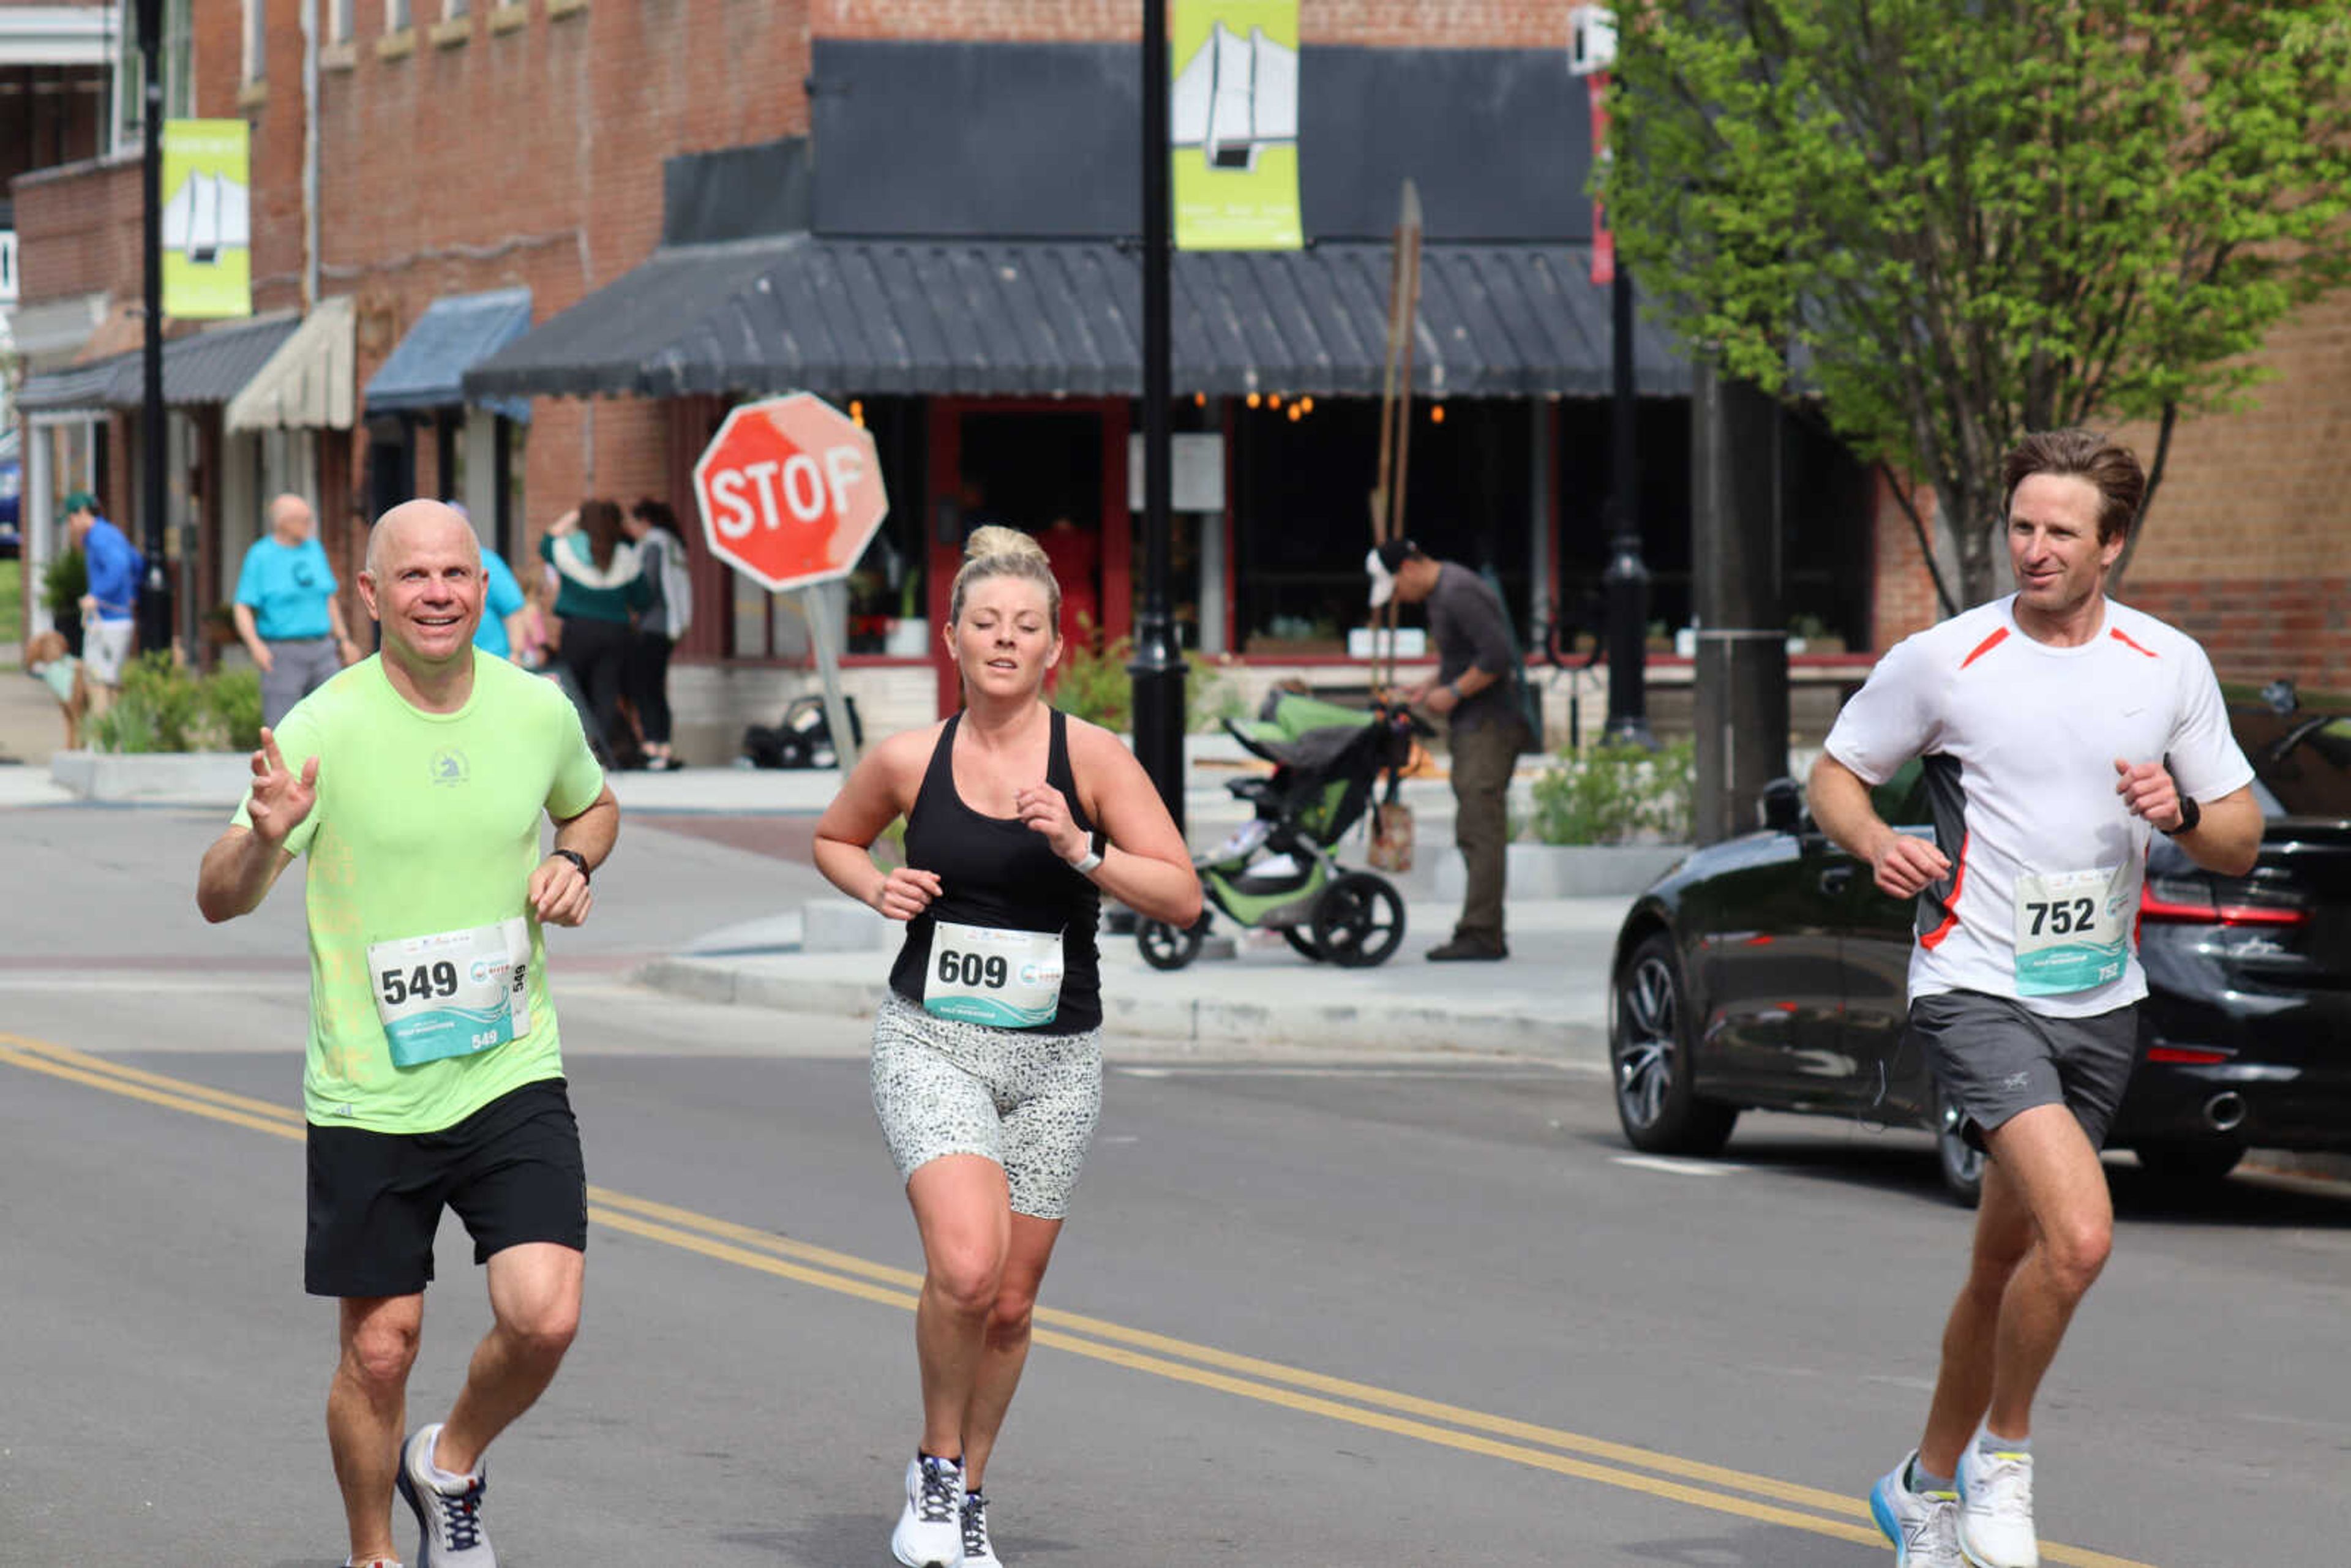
<point>427,367</point>
<point>1046,318</point>
<point>76,389</point>
<point>208,367</point>
<point>48,331</point>
<point>307,383</point>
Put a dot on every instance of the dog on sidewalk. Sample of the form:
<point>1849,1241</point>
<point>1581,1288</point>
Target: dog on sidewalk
<point>46,660</point>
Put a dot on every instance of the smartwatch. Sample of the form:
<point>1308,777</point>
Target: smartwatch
<point>576,858</point>
<point>2190,813</point>
<point>1084,864</point>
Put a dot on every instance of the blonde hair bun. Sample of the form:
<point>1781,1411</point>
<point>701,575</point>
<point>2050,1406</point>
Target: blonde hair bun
<point>996,541</point>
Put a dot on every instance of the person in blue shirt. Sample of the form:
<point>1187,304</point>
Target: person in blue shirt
<point>114,568</point>
<point>286,612</point>
<point>502,600</point>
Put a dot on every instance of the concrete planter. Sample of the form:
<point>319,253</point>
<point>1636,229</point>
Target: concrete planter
<point>157,777</point>
<point>1570,870</point>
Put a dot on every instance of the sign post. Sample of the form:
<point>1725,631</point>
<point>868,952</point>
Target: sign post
<point>791,494</point>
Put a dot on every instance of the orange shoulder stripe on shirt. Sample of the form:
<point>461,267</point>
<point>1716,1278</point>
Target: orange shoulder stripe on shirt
<point>1988,645</point>
<point>2116,634</point>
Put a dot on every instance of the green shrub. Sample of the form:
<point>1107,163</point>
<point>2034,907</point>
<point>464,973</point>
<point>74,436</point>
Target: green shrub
<point>1617,795</point>
<point>233,706</point>
<point>165,708</point>
<point>1095,686</point>
<point>63,582</point>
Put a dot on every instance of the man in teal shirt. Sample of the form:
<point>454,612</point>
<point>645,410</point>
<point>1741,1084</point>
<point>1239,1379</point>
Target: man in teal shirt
<point>416,784</point>
<point>286,612</point>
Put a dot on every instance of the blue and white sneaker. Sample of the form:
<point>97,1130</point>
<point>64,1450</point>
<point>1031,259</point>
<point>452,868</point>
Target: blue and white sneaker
<point>1996,1510</point>
<point>979,1551</point>
<point>930,1530</point>
<point>448,1520</point>
<point>1923,1525</point>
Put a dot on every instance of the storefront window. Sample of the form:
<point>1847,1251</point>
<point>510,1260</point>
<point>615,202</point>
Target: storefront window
<point>885,602</point>
<point>1303,506</point>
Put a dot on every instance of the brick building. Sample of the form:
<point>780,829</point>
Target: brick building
<point>480,167</point>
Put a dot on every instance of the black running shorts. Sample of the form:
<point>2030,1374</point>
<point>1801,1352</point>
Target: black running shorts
<point>1994,1057</point>
<point>512,1170</point>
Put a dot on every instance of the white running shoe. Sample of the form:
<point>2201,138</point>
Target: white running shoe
<point>977,1550</point>
<point>930,1531</point>
<point>1923,1525</point>
<point>1996,1510</point>
<point>449,1523</point>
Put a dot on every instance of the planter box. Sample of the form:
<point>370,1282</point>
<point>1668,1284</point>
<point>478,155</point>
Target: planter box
<point>1570,870</point>
<point>157,777</point>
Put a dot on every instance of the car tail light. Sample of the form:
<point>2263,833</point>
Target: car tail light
<point>2188,1055</point>
<point>2196,901</point>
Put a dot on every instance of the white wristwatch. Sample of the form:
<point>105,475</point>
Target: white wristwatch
<point>1085,863</point>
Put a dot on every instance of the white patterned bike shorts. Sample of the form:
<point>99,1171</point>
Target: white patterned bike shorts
<point>1028,1101</point>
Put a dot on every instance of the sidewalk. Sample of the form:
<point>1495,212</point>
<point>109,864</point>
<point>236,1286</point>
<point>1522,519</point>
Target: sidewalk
<point>1549,998</point>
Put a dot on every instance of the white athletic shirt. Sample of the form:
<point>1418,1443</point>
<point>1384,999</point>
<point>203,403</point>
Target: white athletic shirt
<point>2019,741</point>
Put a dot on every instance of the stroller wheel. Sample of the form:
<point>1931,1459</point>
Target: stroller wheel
<point>1165,948</point>
<point>1358,921</point>
<point>1302,941</point>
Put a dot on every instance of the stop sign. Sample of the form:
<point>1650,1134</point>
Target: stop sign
<point>790,491</point>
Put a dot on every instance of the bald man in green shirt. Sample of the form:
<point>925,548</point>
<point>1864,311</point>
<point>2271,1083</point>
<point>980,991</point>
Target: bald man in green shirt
<point>415,782</point>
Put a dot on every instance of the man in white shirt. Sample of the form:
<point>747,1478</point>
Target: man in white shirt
<point>2059,730</point>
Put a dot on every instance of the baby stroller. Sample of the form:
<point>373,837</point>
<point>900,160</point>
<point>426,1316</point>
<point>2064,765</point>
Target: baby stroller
<point>1275,870</point>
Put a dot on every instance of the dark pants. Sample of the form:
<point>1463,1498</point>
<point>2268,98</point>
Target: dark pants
<point>297,667</point>
<point>1482,760</point>
<point>596,653</point>
<point>649,685</point>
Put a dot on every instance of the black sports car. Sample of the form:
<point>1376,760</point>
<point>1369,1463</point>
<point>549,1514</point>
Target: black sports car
<point>1768,971</point>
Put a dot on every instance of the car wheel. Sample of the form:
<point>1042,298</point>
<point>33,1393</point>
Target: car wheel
<point>2184,1167</point>
<point>1164,946</point>
<point>1961,1162</point>
<point>1650,1060</point>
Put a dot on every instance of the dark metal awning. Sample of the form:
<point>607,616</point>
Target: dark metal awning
<point>76,388</point>
<point>207,367</point>
<point>1061,318</point>
<point>427,367</point>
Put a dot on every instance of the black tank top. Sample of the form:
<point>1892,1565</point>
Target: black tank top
<point>999,872</point>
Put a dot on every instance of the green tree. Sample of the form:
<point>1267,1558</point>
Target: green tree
<point>1953,222</point>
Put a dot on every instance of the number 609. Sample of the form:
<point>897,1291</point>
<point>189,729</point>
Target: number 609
<point>970,970</point>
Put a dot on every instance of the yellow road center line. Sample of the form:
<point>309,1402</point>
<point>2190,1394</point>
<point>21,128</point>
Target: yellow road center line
<point>845,1274</point>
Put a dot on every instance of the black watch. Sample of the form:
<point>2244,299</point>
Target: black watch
<point>576,858</point>
<point>2190,813</point>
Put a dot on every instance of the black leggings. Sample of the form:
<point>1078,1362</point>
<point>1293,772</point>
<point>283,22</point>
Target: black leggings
<point>596,653</point>
<point>648,681</point>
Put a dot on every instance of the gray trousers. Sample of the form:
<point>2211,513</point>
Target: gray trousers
<point>1482,760</point>
<point>298,667</point>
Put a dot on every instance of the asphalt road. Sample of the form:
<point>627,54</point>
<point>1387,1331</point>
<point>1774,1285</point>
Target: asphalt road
<point>1308,1312</point>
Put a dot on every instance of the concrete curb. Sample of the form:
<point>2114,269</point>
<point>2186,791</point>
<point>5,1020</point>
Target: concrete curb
<point>1204,1022</point>
<point>216,778</point>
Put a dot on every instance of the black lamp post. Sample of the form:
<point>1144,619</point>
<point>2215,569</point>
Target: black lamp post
<point>1627,581</point>
<point>1158,667</point>
<point>154,592</point>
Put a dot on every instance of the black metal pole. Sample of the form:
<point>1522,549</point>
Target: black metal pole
<point>1158,668</point>
<point>1627,581</point>
<point>155,593</point>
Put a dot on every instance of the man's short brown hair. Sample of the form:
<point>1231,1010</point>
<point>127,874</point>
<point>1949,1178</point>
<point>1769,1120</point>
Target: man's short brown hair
<point>2109,465</point>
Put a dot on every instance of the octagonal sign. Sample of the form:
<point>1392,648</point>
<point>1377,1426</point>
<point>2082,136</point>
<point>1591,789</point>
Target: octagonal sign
<point>789,491</point>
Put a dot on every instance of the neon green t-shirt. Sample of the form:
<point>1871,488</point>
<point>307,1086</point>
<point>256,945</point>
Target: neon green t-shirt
<point>426,826</point>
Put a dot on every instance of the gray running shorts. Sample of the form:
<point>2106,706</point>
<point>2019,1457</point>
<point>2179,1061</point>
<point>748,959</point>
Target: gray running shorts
<point>1027,1101</point>
<point>1994,1058</point>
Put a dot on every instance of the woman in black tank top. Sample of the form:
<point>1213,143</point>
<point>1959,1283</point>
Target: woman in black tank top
<point>995,871</point>
<point>1018,819</point>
